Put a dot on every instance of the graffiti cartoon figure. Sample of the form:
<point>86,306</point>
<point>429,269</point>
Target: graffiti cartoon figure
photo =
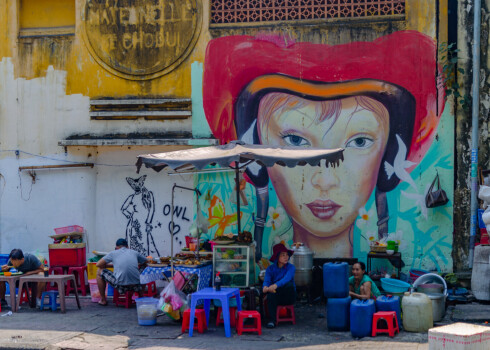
<point>311,95</point>
<point>139,209</point>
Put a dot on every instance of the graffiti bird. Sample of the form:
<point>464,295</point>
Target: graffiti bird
<point>400,164</point>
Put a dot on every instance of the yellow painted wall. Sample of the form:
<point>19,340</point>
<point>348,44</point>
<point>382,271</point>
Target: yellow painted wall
<point>46,13</point>
<point>8,25</point>
<point>86,76</point>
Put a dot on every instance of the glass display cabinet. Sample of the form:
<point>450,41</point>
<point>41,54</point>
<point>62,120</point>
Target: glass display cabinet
<point>236,265</point>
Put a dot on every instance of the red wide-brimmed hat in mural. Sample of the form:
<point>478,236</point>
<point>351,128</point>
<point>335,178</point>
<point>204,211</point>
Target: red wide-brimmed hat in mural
<point>241,67</point>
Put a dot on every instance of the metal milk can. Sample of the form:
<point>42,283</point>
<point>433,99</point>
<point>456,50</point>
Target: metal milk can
<point>302,259</point>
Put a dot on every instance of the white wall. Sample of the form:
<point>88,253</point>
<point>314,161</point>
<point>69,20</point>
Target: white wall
<point>34,115</point>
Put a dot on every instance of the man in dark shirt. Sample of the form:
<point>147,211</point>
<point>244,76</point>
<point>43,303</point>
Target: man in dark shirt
<point>28,264</point>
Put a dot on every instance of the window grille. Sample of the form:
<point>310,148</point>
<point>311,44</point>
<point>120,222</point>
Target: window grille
<point>250,11</point>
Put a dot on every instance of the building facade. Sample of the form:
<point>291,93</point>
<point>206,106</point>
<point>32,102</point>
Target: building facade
<point>91,84</point>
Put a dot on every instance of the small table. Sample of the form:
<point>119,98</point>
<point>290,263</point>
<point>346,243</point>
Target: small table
<point>395,256</point>
<point>60,280</point>
<point>12,281</point>
<point>208,294</point>
<point>203,273</point>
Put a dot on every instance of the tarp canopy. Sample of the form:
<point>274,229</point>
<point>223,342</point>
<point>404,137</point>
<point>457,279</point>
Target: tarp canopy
<point>240,153</point>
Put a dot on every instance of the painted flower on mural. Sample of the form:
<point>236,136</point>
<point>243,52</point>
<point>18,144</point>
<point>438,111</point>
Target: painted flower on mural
<point>217,216</point>
<point>364,217</point>
<point>276,217</point>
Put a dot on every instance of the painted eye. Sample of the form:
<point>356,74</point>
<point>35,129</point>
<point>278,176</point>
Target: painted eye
<point>295,140</point>
<point>360,142</point>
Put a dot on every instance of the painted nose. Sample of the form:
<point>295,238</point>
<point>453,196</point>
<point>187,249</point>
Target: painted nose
<point>324,178</point>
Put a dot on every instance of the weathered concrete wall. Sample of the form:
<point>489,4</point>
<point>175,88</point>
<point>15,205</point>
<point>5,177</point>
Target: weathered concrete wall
<point>462,215</point>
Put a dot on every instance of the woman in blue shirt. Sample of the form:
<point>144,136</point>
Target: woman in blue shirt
<point>279,282</point>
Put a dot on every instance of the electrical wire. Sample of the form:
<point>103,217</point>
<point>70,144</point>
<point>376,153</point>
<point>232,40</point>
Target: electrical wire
<point>18,151</point>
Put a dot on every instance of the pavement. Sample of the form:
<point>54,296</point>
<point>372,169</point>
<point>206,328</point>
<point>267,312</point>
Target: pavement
<point>97,327</point>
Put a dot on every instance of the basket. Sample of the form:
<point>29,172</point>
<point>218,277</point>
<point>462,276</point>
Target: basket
<point>392,285</point>
<point>68,229</point>
<point>378,249</point>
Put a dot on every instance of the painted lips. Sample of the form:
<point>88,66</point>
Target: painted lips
<point>322,209</point>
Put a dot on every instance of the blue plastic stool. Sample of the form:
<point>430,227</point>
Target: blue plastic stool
<point>52,294</point>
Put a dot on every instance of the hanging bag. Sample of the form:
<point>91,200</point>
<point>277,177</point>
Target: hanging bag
<point>436,198</point>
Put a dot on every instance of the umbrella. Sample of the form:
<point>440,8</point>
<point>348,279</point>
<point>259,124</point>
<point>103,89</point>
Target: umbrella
<point>237,155</point>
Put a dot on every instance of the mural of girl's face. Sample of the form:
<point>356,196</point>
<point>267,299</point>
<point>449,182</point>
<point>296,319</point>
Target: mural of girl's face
<point>325,201</point>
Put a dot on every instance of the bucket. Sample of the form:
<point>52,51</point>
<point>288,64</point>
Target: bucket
<point>147,311</point>
<point>94,291</point>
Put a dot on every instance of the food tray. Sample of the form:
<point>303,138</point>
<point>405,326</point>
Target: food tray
<point>189,252</point>
<point>158,265</point>
<point>223,242</point>
<point>204,263</point>
<point>378,249</point>
<point>13,273</point>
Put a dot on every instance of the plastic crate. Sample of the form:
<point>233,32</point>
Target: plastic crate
<point>68,229</point>
<point>4,258</point>
<point>72,254</point>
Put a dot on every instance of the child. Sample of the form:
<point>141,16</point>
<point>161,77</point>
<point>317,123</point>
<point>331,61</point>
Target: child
<point>28,264</point>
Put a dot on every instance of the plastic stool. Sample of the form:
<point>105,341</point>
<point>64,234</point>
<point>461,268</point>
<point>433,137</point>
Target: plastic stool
<point>24,295</point>
<point>79,273</point>
<point>55,270</point>
<point>288,316</point>
<point>391,321</point>
<point>151,290</point>
<point>219,319</point>
<point>200,316</point>
<point>245,314</point>
<point>52,300</point>
<point>126,299</point>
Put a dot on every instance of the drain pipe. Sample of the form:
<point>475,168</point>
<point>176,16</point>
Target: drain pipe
<point>475,91</point>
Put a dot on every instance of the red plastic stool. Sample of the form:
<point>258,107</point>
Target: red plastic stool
<point>391,321</point>
<point>219,319</point>
<point>24,295</point>
<point>126,299</point>
<point>285,316</point>
<point>79,273</point>
<point>200,320</point>
<point>55,270</point>
<point>151,290</point>
<point>245,314</point>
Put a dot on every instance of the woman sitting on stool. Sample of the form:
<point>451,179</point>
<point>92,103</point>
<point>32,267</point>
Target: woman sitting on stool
<point>279,282</point>
<point>361,286</point>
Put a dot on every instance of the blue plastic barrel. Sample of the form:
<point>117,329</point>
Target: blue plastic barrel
<point>338,310</point>
<point>336,280</point>
<point>390,303</point>
<point>361,317</point>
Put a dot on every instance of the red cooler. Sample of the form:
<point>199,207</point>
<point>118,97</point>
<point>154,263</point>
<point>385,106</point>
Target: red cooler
<point>67,254</point>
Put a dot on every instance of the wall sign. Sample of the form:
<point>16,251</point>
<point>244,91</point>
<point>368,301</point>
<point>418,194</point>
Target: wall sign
<point>141,39</point>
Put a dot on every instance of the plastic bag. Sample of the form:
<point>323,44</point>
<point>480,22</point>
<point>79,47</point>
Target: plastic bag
<point>171,312</point>
<point>172,298</point>
<point>484,194</point>
<point>201,222</point>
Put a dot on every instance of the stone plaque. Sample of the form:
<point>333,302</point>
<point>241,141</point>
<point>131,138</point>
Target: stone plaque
<point>141,39</point>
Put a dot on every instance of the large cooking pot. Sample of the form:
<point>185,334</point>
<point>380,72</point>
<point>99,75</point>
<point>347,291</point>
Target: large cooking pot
<point>302,259</point>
